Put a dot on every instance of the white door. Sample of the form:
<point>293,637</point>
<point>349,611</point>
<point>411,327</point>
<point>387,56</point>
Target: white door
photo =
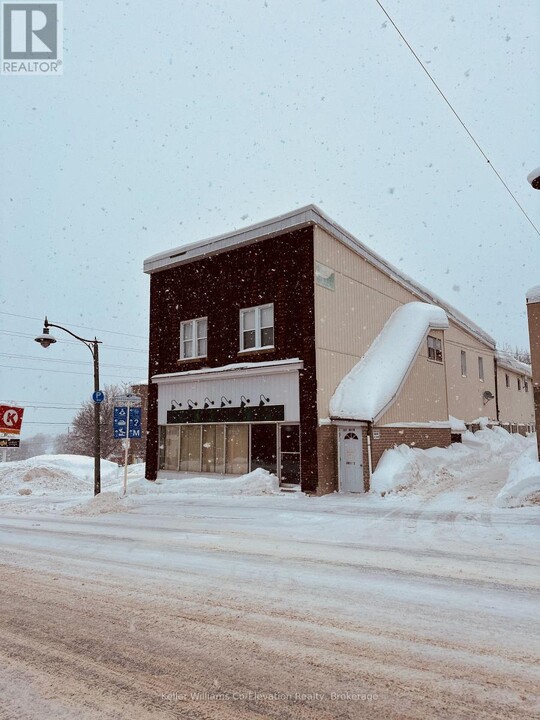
<point>351,473</point>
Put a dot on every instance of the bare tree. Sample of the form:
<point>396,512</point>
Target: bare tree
<point>39,444</point>
<point>521,354</point>
<point>80,440</point>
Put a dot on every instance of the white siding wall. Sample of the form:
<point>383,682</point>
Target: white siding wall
<point>282,388</point>
<point>515,406</point>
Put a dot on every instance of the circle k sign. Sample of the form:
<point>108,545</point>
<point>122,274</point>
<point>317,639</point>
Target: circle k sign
<point>10,420</point>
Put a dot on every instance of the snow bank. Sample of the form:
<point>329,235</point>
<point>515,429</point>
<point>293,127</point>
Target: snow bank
<point>523,484</point>
<point>456,425</point>
<point>168,490</point>
<point>48,474</point>
<point>404,469</point>
<point>373,383</point>
<point>257,482</point>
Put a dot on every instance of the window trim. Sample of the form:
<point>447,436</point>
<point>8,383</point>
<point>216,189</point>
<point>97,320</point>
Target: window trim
<point>463,364</point>
<point>194,338</point>
<point>481,370</point>
<point>258,328</point>
<point>439,341</point>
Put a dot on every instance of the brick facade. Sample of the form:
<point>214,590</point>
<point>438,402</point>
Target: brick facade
<point>327,452</point>
<point>277,270</point>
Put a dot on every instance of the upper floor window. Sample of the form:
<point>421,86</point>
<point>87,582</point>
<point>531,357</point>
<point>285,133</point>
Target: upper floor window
<point>481,368</point>
<point>463,363</point>
<point>434,348</point>
<point>519,383</point>
<point>257,327</point>
<point>507,379</point>
<point>325,276</point>
<point>526,385</point>
<point>193,338</point>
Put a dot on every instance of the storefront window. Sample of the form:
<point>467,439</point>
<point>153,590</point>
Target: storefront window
<point>172,446</point>
<point>237,449</point>
<point>213,448</point>
<point>190,448</point>
<point>264,447</point>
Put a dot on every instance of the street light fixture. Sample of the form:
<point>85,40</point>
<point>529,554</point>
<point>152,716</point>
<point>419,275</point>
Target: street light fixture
<point>45,340</point>
<point>533,178</point>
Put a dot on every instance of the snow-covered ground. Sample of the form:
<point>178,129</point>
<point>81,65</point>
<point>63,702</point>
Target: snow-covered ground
<point>220,598</point>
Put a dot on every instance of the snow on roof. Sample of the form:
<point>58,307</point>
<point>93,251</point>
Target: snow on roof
<point>507,360</point>
<point>268,366</point>
<point>533,295</point>
<point>296,219</point>
<point>374,383</point>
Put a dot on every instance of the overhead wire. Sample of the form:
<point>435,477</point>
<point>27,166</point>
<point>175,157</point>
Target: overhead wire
<point>456,114</point>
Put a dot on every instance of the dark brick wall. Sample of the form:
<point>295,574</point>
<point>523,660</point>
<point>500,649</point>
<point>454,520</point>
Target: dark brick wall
<point>278,270</point>
<point>327,451</point>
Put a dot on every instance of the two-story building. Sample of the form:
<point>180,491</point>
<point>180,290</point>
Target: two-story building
<point>290,345</point>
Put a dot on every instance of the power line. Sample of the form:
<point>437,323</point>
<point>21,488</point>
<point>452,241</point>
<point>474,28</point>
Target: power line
<point>72,342</point>
<point>68,372</point>
<point>85,327</point>
<point>70,362</point>
<point>447,101</point>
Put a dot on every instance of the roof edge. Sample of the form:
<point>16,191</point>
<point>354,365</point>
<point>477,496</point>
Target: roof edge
<point>296,219</point>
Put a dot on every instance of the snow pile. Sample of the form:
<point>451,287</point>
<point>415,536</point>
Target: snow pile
<point>405,469</point>
<point>373,383</point>
<point>257,482</point>
<point>456,425</point>
<point>53,474</point>
<point>523,484</point>
<point>533,295</point>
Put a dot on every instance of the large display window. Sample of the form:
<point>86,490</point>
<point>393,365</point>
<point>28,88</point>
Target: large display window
<point>231,449</point>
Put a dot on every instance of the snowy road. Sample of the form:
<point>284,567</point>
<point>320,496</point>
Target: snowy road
<point>372,610</point>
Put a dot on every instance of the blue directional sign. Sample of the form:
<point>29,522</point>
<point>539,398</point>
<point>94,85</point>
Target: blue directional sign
<point>98,396</point>
<point>135,422</point>
<point>120,423</point>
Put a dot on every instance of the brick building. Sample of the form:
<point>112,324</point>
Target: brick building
<point>290,345</point>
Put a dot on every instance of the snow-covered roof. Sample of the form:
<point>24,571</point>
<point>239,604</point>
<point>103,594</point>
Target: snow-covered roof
<point>373,384</point>
<point>247,368</point>
<point>533,295</point>
<point>296,219</point>
<point>508,361</point>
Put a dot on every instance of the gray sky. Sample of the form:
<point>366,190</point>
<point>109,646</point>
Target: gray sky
<point>175,121</point>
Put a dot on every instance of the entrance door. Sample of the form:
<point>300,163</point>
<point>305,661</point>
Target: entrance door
<point>351,472</point>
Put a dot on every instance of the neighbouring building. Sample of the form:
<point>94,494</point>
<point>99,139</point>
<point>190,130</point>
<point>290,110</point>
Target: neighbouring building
<point>290,345</point>
<point>533,315</point>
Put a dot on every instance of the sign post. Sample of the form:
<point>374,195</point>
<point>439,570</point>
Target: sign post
<point>127,425</point>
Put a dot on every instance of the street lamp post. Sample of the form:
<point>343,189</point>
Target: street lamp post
<point>46,339</point>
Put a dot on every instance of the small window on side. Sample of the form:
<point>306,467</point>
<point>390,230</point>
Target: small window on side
<point>325,276</point>
<point>434,349</point>
<point>481,368</point>
<point>463,363</point>
<point>526,385</point>
<point>519,383</point>
<point>507,379</point>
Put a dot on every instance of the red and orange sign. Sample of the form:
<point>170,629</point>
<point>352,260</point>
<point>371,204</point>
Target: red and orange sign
<point>10,420</point>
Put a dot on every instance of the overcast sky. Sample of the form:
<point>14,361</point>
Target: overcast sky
<point>178,120</point>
